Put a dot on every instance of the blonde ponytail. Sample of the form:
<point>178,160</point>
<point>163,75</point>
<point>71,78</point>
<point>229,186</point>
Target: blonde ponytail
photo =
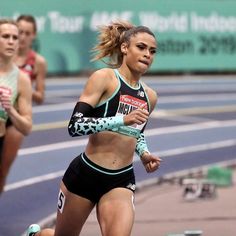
<point>110,38</point>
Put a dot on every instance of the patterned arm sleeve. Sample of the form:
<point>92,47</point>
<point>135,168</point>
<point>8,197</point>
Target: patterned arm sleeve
<point>141,145</point>
<point>79,126</point>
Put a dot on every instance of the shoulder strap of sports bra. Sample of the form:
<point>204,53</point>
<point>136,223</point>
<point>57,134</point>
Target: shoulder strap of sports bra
<point>117,74</point>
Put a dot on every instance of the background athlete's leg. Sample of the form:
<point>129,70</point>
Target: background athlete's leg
<point>11,144</point>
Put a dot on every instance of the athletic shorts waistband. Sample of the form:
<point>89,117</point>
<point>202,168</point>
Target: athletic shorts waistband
<point>103,170</point>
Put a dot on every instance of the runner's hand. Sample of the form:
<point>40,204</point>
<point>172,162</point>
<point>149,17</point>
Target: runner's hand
<point>138,116</point>
<point>150,162</point>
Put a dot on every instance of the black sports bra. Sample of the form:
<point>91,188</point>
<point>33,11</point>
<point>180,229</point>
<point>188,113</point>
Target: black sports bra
<point>124,100</point>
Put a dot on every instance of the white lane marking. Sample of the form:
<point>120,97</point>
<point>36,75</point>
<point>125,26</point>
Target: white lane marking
<point>63,92</point>
<point>34,180</point>
<point>162,100</point>
<point>190,127</point>
<point>162,154</point>
<point>197,148</point>
<point>193,110</point>
<point>159,113</point>
<point>54,107</point>
<point>148,132</point>
<point>52,147</point>
<point>156,114</point>
<point>48,126</point>
<point>196,98</point>
<point>187,119</point>
<point>151,132</point>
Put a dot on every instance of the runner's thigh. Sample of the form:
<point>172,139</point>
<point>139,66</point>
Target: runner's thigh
<point>115,212</point>
<point>73,211</point>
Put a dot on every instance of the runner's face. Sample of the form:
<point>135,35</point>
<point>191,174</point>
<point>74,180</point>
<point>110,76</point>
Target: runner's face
<point>8,40</point>
<point>27,34</point>
<point>140,52</point>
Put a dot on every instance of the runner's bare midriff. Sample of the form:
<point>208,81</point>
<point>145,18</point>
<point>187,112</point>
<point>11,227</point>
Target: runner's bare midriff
<point>111,150</point>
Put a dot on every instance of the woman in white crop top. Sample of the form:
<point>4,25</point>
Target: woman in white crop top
<point>15,92</point>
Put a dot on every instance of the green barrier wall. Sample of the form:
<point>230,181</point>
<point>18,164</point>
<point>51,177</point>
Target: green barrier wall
<point>193,35</point>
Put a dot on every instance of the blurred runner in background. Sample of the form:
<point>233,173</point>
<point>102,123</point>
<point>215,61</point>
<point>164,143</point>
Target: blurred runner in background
<point>35,66</point>
<point>15,95</point>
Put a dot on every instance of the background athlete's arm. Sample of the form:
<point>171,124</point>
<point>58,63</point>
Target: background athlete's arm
<point>22,116</point>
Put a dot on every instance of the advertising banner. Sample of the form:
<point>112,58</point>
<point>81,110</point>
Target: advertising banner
<point>192,35</point>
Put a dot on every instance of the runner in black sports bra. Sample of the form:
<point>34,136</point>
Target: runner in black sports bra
<point>123,101</point>
<point>112,110</point>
